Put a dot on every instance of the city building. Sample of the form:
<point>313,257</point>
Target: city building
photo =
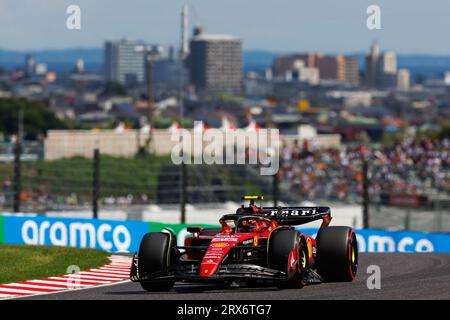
<point>326,67</point>
<point>302,73</point>
<point>352,70</point>
<point>372,66</point>
<point>283,64</point>
<point>381,69</point>
<point>40,69</point>
<point>389,63</point>
<point>79,66</point>
<point>447,78</point>
<point>169,74</point>
<point>125,62</point>
<point>331,67</point>
<point>215,63</point>
<point>30,64</point>
<point>403,79</point>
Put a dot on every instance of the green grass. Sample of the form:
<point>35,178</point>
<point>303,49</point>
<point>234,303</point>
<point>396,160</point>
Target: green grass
<point>18,262</point>
<point>121,176</point>
<point>118,176</point>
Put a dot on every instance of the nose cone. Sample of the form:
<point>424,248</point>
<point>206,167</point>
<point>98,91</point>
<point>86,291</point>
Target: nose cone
<point>213,257</point>
<point>208,269</point>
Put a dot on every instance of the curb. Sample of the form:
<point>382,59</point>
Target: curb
<point>117,271</point>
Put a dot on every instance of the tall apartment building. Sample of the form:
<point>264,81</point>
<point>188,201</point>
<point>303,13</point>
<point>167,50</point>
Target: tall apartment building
<point>372,66</point>
<point>352,70</point>
<point>284,64</point>
<point>302,73</point>
<point>215,63</point>
<point>403,79</point>
<point>125,61</point>
<point>381,69</point>
<point>330,67</point>
<point>389,63</point>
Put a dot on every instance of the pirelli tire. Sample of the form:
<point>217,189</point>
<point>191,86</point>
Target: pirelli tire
<point>287,251</point>
<point>337,254</point>
<point>154,255</point>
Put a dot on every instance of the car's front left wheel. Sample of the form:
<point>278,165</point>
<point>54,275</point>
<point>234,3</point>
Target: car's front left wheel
<point>153,256</point>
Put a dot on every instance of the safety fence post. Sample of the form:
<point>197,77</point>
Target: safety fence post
<point>95,183</point>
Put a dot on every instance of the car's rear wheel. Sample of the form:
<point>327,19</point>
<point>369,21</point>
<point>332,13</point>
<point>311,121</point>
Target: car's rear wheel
<point>337,254</point>
<point>153,256</point>
<point>288,252</point>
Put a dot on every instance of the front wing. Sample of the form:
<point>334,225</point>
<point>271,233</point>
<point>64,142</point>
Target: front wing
<point>190,272</point>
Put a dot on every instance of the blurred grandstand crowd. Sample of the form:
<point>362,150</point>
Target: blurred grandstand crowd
<point>307,172</point>
<point>409,167</point>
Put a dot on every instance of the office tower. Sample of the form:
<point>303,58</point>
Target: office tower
<point>447,78</point>
<point>40,69</point>
<point>372,66</point>
<point>302,73</point>
<point>387,70</point>
<point>331,67</point>
<point>403,79</point>
<point>125,62</point>
<point>215,63</point>
<point>79,66</point>
<point>352,70</point>
<point>169,74</point>
<point>328,67</point>
<point>283,64</point>
<point>388,63</point>
<point>30,64</point>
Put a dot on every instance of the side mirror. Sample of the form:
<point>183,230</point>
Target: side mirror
<point>194,230</point>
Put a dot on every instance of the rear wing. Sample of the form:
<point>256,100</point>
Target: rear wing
<point>297,215</point>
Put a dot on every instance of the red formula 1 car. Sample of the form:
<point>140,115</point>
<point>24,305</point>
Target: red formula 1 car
<point>254,244</point>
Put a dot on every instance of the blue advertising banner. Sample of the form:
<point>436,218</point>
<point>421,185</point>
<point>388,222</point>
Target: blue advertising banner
<point>108,235</point>
<point>125,236</point>
<point>370,240</point>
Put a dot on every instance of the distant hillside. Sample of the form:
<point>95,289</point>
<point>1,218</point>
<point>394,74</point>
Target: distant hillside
<point>91,55</point>
<point>258,60</point>
<point>254,60</point>
<point>57,60</point>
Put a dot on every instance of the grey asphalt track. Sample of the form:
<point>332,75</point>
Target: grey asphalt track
<point>403,276</point>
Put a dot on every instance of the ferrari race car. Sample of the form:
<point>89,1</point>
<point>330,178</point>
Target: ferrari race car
<point>254,244</point>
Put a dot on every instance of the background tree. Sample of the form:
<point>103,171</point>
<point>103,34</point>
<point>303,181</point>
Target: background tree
<point>37,118</point>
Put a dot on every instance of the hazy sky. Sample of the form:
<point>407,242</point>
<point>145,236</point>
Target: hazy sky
<point>408,26</point>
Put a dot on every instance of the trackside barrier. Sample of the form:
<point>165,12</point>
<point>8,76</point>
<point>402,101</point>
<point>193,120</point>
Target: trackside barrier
<point>125,236</point>
<point>370,240</point>
<point>109,235</point>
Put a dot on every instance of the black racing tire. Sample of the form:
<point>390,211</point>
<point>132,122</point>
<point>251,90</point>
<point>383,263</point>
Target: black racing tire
<point>153,256</point>
<point>337,254</point>
<point>280,245</point>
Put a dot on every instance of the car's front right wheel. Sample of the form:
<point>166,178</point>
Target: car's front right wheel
<point>288,252</point>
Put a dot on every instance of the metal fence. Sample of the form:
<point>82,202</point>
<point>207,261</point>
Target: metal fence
<point>105,181</point>
<point>35,185</point>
